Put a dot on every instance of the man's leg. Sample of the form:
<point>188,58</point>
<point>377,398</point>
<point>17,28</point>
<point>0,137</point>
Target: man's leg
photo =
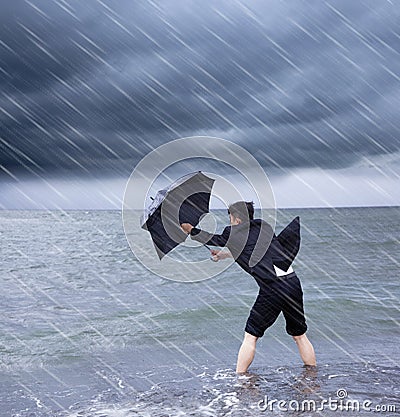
<point>293,312</point>
<point>246,352</point>
<point>306,349</point>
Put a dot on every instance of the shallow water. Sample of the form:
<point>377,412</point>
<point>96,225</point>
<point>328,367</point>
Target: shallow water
<point>86,330</point>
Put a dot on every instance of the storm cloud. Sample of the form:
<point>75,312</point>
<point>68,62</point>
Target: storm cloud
<point>88,88</point>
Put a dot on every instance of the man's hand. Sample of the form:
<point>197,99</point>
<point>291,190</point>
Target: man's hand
<point>217,255</point>
<point>186,227</point>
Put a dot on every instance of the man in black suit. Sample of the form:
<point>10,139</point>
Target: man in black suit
<point>254,246</point>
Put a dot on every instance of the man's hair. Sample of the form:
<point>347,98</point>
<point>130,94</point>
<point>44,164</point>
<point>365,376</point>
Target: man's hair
<point>244,210</point>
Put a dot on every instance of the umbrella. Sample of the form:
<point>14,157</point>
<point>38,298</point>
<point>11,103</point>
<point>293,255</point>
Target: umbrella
<point>289,238</point>
<point>183,201</point>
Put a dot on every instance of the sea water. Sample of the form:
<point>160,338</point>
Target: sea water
<point>87,330</point>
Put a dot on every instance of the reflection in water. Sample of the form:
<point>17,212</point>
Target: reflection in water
<point>307,382</point>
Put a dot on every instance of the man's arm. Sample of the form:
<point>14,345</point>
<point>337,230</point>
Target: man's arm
<point>205,237</point>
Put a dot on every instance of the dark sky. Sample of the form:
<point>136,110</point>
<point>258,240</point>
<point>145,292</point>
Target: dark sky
<point>310,88</point>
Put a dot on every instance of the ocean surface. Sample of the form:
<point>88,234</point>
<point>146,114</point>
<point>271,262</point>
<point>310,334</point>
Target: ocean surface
<point>87,330</point>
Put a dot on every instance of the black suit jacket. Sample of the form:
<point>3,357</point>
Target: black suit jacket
<point>253,245</point>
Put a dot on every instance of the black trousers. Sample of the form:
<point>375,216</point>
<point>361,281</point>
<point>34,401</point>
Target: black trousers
<point>283,295</point>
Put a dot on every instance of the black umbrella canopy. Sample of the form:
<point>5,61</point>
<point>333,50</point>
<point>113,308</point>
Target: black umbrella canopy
<point>183,201</point>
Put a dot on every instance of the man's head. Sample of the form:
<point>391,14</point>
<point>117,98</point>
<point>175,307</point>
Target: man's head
<point>241,211</point>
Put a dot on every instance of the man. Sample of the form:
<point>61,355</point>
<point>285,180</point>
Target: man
<point>254,246</point>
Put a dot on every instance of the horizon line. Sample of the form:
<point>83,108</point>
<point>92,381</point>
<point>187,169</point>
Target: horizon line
<point>213,209</point>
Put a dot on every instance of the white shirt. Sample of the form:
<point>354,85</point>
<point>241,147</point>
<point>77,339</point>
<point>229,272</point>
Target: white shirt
<point>279,272</point>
